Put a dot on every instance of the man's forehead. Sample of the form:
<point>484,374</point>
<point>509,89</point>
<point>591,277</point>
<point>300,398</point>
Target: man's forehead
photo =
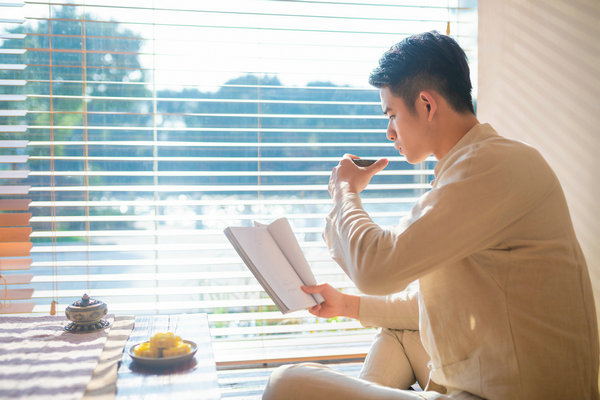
<point>389,101</point>
<point>384,95</point>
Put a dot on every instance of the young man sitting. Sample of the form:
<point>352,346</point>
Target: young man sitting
<point>505,306</point>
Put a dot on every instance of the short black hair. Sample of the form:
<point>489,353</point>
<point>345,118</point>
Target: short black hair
<point>424,61</point>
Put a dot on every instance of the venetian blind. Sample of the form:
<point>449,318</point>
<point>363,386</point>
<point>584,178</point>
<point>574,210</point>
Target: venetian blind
<point>154,125</point>
<point>15,244</point>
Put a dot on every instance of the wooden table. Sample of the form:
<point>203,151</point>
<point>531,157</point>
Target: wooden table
<point>195,379</point>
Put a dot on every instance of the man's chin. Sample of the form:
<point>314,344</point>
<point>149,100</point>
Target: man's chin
<point>409,158</point>
<point>414,160</point>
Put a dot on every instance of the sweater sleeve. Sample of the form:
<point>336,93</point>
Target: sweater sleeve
<point>397,311</point>
<point>472,203</point>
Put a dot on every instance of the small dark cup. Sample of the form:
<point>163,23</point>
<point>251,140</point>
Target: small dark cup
<point>362,162</point>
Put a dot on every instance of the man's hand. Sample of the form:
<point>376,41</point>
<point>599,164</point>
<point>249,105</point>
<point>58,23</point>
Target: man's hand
<point>336,303</point>
<point>348,177</point>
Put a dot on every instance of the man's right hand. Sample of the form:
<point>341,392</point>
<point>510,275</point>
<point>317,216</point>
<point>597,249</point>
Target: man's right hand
<point>348,177</point>
<point>336,303</point>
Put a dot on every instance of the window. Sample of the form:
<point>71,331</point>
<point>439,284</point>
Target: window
<point>150,127</point>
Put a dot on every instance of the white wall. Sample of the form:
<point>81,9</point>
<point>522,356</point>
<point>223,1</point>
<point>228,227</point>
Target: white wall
<point>539,81</point>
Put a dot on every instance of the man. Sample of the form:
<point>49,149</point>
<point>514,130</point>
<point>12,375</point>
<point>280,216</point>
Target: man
<point>505,303</point>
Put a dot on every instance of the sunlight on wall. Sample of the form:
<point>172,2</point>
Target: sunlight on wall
<point>539,83</point>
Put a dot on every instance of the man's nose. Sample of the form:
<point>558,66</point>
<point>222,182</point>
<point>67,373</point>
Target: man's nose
<point>390,133</point>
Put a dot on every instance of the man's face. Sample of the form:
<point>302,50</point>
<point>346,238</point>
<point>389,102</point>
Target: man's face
<point>407,130</point>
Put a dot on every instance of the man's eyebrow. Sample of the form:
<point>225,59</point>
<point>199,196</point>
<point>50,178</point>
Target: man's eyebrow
<point>387,109</point>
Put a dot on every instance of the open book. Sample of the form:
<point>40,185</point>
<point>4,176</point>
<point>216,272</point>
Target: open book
<point>275,258</point>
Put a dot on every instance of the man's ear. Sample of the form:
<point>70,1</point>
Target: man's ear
<point>428,103</point>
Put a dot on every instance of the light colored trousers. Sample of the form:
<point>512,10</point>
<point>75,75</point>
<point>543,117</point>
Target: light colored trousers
<point>395,361</point>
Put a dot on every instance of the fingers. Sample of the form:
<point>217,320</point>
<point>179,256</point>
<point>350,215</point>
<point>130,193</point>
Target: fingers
<point>315,310</point>
<point>314,289</point>
<point>378,165</point>
<point>347,158</point>
<point>331,184</point>
<point>373,168</point>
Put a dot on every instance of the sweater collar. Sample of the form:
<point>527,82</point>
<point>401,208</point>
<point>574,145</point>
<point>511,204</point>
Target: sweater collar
<point>476,134</point>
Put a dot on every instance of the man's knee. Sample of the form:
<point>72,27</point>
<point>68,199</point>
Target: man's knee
<point>287,380</point>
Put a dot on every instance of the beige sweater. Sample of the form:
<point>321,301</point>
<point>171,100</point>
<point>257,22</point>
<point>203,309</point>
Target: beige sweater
<point>505,302</point>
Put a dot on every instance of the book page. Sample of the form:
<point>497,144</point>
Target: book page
<point>265,258</point>
<point>282,232</point>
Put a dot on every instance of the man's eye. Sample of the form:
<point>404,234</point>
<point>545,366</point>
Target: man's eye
<point>391,117</point>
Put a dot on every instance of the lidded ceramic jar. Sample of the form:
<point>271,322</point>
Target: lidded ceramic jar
<point>86,315</point>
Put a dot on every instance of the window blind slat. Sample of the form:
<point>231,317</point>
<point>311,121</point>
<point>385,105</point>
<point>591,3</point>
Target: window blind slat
<point>175,290</point>
<point>153,276</point>
<point>19,294</point>
<point>19,279</point>
<point>13,144</point>
<point>13,82</point>
<point>12,128</point>
<point>12,264</point>
<point>14,204</point>
<point>194,159</point>
<point>12,97</point>
<point>17,308</point>
<point>13,159</point>
<point>13,66</point>
<point>208,100</point>
<point>20,234</point>
<point>214,173</point>
<point>22,174</point>
<point>11,36</point>
<point>14,190</point>
<point>209,202</point>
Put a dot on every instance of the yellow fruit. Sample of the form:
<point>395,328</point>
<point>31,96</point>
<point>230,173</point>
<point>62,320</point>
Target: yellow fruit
<point>164,340</point>
<point>162,345</point>
<point>181,349</point>
<point>145,350</point>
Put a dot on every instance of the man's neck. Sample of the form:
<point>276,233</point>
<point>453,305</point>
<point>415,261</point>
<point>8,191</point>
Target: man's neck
<point>454,127</point>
